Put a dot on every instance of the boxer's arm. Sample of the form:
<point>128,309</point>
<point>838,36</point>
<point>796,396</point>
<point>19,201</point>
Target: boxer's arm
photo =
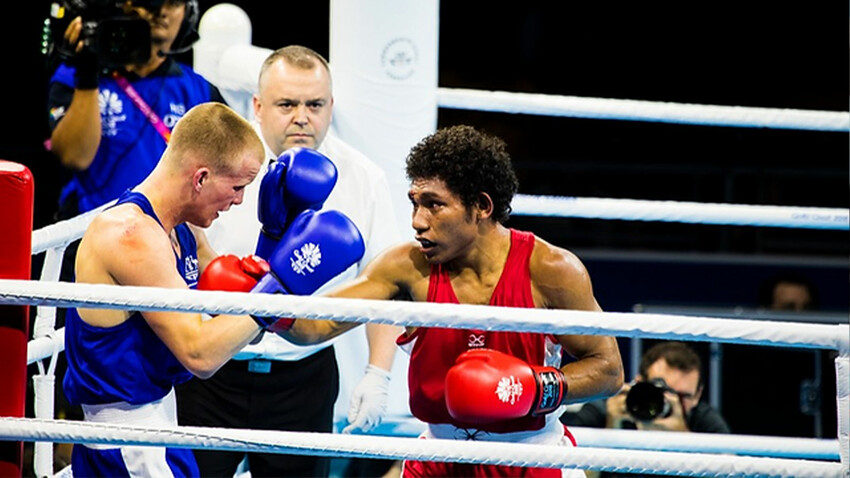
<point>135,252</point>
<point>382,344</point>
<point>561,281</point>
<point>383,278</point>
<point>76,138</point>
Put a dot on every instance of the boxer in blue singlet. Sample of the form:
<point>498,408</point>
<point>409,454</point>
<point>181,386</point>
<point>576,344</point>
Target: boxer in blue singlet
<point>122,365</point>
<point>142,393</point>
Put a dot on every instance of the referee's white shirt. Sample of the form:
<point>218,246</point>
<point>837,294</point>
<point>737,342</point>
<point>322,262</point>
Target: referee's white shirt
<point>362,193</point>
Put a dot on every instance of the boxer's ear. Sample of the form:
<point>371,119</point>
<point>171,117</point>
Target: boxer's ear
<point>198,179</point>
<point>485,206</point>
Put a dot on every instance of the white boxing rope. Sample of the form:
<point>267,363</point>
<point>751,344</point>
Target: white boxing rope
<point>623,324</point>
<point>685,212</point>
<point>752,445</point>
<point>44,346</point>
<point>63,233</point>
<point>341,445</point>
<point>51,269</point>
<point>639,110</point>
<point>689,442</point>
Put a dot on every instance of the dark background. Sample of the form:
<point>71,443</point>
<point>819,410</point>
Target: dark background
<point>725,53</point>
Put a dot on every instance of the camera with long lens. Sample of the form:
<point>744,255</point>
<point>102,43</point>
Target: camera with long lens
<point>112,36</point>
<point>645,401</point>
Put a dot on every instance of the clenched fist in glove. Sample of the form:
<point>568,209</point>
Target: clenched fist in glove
<point>486,386</point>
<point>317,247</point>
<point>300,179</point>
<point>230,273</point>
<point>368,401</point>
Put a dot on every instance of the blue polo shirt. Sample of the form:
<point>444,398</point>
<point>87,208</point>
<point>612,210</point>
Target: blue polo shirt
<point>130,146</point>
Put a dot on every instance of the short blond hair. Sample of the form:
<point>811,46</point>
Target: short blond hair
<point>216,134</point>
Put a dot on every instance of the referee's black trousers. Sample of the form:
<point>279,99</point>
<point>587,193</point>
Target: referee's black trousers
<point>264,395</point>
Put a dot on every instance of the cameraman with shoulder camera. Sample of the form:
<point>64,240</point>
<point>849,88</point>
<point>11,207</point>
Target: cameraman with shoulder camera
<point>665,396</point>
<point>118,91</point>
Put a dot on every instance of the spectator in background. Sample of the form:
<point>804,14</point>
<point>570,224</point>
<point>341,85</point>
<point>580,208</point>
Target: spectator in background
<point>789,291</point>
<point>681,370</point>
<point>293,107</point>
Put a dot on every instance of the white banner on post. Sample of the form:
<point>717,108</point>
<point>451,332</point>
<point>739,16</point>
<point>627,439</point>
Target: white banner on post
<point>383,55</point>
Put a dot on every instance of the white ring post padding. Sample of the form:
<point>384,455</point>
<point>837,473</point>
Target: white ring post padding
<point>842,379</point>
<point>691,442</point>
<point>679,211</point>
<point>636,110</point>
<point>623,324</point>
<point>340,445</point>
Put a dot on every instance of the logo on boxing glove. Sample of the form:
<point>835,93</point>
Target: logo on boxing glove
<point>509,389</point>
<point>551,389</point>
<point>307,258</point>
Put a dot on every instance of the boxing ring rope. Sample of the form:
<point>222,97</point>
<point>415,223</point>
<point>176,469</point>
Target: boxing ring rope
<point>684,212</point>
<point>465,316</point>
<point>638,110</point>
<point>423,314</point>
<point>60,234</point>
<point>338,445</point>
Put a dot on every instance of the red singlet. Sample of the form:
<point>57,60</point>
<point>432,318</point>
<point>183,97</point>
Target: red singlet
<point>435,349</point>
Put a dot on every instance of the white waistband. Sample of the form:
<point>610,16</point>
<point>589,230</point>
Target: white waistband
<point>551,434</point>
<point>161,413</point>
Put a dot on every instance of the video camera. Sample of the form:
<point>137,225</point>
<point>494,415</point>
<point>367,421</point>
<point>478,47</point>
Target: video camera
<point>112,36</point>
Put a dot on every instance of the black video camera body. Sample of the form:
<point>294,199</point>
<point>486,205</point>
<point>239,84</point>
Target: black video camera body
<point>112,36</point>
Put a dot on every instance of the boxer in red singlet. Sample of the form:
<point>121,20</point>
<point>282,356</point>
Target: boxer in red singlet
<point>475,384</point>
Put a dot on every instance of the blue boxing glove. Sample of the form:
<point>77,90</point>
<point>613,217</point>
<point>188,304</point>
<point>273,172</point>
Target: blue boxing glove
<point>317,247</point>
<point>300,179</point>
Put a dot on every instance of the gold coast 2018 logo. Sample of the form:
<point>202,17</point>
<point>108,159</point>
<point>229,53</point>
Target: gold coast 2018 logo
<point>399,58</point>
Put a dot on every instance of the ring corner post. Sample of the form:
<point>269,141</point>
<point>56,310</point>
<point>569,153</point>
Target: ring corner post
<point>16,195</point>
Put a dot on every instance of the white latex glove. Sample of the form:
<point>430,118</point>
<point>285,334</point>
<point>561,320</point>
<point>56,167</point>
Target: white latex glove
<point>368,401</point>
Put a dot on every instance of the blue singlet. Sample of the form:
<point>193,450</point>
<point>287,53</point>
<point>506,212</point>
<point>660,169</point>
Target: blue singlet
<point>127,362</point>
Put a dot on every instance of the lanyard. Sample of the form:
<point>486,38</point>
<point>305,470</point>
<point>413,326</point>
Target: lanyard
<point>157,123</point>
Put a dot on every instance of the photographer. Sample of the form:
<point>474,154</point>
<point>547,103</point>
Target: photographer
<point>681,384</point>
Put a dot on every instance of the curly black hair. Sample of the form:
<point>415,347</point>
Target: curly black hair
<point>469,162</point>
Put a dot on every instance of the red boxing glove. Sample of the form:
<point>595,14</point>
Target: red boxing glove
<point>486,386</point>
<point>230,273</point>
